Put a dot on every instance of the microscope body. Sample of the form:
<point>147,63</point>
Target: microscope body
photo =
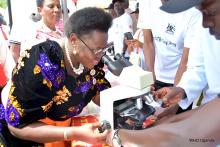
<point>125,104</point>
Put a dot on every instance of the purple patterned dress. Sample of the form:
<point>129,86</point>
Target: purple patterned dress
<point>42,88</point>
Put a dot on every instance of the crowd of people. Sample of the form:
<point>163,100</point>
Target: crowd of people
<point>52,70</point>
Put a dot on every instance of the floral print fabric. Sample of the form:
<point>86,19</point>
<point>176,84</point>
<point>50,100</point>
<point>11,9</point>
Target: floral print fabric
<point>42,88</point>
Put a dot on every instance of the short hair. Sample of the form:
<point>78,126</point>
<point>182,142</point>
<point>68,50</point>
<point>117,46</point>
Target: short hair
<point>126,3</point>
<point>121,1</point>
<point>39,3</point>
<point>86,20</point>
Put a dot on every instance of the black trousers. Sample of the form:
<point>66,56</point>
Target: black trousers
<point>158,85</point>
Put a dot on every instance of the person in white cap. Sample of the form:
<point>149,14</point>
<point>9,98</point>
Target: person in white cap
<point>198,127</point>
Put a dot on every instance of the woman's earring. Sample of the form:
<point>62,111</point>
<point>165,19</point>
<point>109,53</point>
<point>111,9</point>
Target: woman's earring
<point>74,48</point>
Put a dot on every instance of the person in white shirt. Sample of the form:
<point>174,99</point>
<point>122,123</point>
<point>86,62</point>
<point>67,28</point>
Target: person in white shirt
<point>19,30</point>
<point>128,10</point>
<point>34,33</point>
<point>167,44</point>
<point>135,46</point>
<point>201,76</point>
<point>110,9</point>
<point>121,24</point>
<point>202,73</point>
<point>198,127</point>
<point>47,28</point>
<point>135,49</point>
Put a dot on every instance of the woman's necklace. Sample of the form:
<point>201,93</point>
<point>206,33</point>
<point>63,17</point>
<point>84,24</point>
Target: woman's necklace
<point>78,70</point>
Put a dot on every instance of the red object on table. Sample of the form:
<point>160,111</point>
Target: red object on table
<point>149,121</point>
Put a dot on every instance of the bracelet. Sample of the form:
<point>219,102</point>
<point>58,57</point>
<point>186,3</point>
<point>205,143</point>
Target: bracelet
<point>65,137</point>
<point>117,138</point>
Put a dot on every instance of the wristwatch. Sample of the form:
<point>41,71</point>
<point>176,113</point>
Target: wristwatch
<point>116,140</point>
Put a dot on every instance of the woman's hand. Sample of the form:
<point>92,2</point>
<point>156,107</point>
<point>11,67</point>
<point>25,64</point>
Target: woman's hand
<point>89,133</point>
<point>137,44</point>
<point>132,44</point>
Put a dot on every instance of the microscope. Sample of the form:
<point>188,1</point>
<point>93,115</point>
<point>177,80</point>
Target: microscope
<point>126,104</point>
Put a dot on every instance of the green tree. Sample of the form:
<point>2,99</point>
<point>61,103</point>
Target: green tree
<point>3,3</point>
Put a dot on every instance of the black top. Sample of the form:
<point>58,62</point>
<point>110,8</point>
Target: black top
<point>42,88</point>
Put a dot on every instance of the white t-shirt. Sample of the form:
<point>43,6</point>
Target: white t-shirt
<point>144,9</point>
<point>134,20</point>
<point>120,26</point>
<point>202,70</point>
<point>39,33</point>
<point>20,29</point>
<point>171,33</point>
<point>139,51</point>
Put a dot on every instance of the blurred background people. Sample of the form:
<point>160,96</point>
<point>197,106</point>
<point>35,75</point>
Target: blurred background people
<point>111,10</point>
<point>128,10</point>
<point>35,32</point>
<point>135,46</point>
<point>121,24</point>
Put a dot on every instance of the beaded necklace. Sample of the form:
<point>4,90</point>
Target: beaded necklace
<point>78,70</point>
